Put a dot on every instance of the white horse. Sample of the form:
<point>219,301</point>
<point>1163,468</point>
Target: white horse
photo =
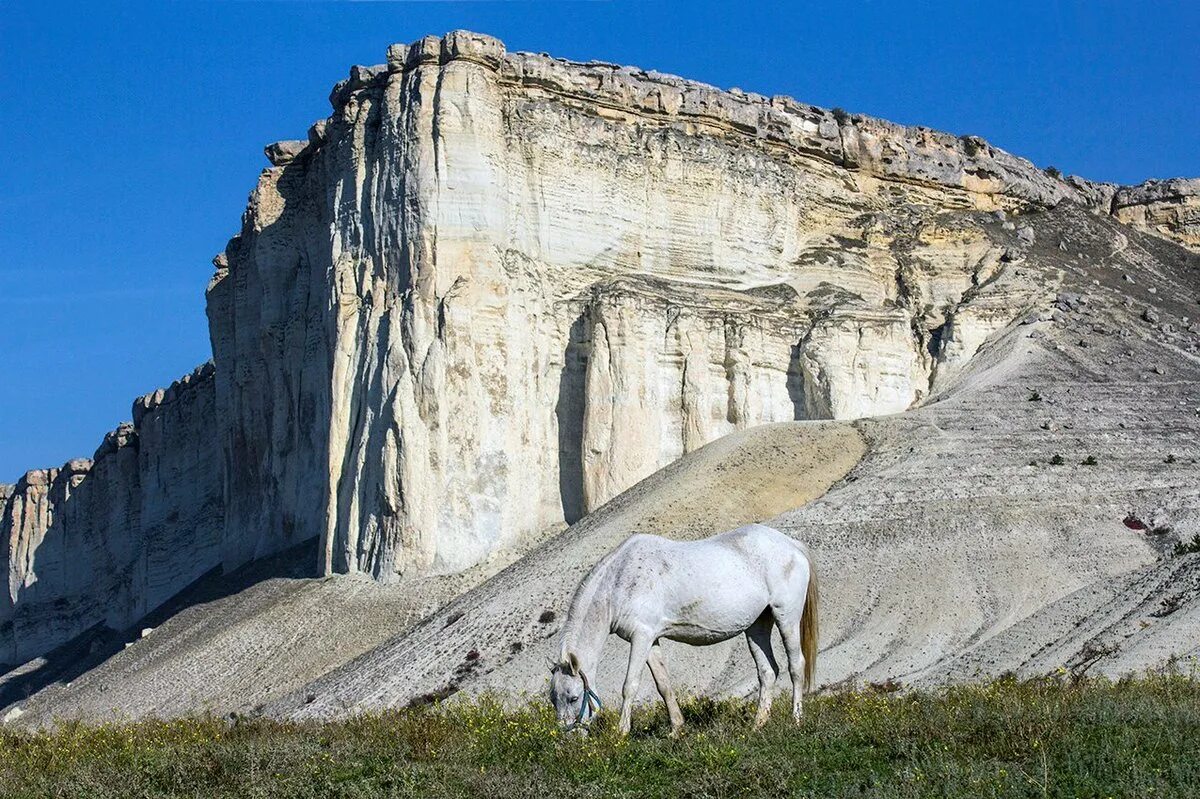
<point>697,592</point>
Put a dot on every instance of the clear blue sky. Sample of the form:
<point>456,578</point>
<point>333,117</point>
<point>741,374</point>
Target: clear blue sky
<point>132,134</point>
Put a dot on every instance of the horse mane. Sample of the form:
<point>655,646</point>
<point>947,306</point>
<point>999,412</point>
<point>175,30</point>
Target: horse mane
<point>581,603</point>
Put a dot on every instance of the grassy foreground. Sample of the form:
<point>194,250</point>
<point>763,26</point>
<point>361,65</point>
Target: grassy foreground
<point>1043,738</point>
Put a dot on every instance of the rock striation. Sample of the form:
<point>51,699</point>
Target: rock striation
<point>493,290</point>
<point>102,542</point>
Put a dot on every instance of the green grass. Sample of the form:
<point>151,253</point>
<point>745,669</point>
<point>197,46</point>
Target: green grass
<point>1007,738</point>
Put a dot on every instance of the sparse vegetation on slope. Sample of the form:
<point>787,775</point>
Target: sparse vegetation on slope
<point>1006,738</point>
<point>1186,547</point>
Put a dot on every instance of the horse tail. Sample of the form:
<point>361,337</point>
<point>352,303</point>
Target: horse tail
<point>809,632</point>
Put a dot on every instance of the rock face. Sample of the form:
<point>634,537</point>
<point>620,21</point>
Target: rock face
<point>105,541</point>
<point>1168,208</point>
<point>496,289</point>
<point>491,291</point>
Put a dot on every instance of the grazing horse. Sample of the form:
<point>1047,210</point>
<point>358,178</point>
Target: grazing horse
<point>697,592</point>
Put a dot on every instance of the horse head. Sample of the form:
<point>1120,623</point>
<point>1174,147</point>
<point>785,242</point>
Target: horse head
<point>571,693</point>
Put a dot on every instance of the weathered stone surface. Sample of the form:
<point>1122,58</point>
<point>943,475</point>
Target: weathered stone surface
<point>669,368</point>
<point>284,152</point>
<point>105,541</point>
<point>425,352</point>
<point>1167,208</point>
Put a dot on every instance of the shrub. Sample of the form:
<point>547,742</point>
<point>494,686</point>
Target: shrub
<point>1090,460</point>
<point>972,145</point>
<point>1053,172</point>
<point>1189,548</point>
<point>1057,460</point>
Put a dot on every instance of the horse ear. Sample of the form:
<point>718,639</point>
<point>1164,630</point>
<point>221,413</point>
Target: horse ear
<point>573,662</point>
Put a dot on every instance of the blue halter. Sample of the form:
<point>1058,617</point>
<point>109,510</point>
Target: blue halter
<point>589,706</point>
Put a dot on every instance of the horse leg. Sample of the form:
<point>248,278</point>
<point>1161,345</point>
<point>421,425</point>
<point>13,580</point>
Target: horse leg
<point>662,680</point>
<point>789,630</point>
<point>758,636</point>
<point>639,653</point>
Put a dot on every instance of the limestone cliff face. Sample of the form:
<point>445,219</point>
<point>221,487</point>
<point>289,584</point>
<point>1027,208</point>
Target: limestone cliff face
<point>1167,208</point>
<point>492,290</point>
<point>670,368</point>
<point>107,540</point>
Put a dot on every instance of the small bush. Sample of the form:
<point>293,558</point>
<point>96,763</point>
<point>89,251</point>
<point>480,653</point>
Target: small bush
<point>1034,396</point>
<point>1090,460</point>
<point>1189,548</point>
<point>840,115</point>
<point>1057,460</point>
<point>1053,172</point>
<point>1170,458</point>
<point>972,145</point>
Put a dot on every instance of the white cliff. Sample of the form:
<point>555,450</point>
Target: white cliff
<point>102,542</point>
<point>493,290</point>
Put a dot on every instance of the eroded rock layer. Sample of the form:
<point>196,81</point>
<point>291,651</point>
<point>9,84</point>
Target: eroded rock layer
<point>493,290</point>
<point>107,540</point>
<point>1167,208</point>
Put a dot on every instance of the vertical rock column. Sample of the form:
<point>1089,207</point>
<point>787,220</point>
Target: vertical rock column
<point>29,510</point>
<point>447,348</point>
<point>106,541</point>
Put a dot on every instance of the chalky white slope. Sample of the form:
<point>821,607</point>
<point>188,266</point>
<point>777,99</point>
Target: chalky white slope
<point>984,532</point>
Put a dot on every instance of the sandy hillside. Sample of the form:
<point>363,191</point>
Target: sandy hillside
<point>1003,497</point>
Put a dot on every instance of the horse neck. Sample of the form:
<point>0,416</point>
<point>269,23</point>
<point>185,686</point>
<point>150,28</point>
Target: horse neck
<point>588,623</point>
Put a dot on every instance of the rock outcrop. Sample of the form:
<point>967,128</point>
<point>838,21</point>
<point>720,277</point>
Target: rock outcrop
<point>1167,208</point>
<point>492,290</point>
<point>102,542</point>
